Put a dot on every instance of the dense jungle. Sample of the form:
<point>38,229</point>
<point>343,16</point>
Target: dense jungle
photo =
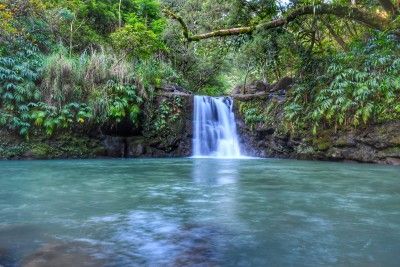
<point>77,78</point>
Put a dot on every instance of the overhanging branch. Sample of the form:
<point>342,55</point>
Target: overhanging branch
<point>178,18</point>
<point>353,13</point>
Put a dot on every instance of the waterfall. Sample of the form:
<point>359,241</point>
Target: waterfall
<point>214,128</point>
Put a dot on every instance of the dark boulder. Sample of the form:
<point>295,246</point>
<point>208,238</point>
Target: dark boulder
<point>252,88</point>
<point>174,88</point>
<point>283,85</point>
<point>115,146</point>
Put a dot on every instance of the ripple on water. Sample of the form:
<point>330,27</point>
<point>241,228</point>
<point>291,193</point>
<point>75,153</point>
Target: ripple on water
<point>153,239</point>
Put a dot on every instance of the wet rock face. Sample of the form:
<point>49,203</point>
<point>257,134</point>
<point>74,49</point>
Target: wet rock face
<point>164,130</point>
<point>378,143</point>
<point>163,135</point>
<point>114,146</point>
<point>174,89</point>
<point>252,88</point>
<point>260,87</point>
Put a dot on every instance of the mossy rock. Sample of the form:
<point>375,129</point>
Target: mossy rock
<point>40,150</point>
<point>323,145</point>
<point>345,140</point>
<point>395,140</point>
<point>12,151</point>
<point>304,149</point>
<point>40,146</point>
<point>323,141</point>
<point>392,151</point>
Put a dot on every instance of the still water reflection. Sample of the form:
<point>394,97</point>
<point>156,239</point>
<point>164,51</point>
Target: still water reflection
<point>202,212</point>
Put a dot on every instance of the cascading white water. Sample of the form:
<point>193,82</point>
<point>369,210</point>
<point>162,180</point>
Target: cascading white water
<point>214,128</point>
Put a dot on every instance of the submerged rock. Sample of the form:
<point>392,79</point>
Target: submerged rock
<point>75,254</point>
<point>5,257</point>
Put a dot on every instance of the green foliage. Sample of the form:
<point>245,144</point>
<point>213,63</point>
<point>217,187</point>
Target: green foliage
<point>51,118</point>
<point>168,113</point>
<point>67,63</point>
<point>199,64</point>
<point>154,73</point>
<point>136,40</point>
<point>6,17</point>
<point>101,79</point>
<point>252,116</point>
<point>257,113</point>
<point>359,86</point>
<point>46,117</point>
<point>63,79</point>
<point>123,102</point>
<point>19,70</point>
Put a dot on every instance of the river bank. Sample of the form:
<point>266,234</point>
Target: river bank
<point>165,130</point>
<point>265,133</point>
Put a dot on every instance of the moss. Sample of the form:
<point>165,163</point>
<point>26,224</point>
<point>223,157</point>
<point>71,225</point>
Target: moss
<point>323,141</point>
<point>322,144</point>
<point>342,141</point>
<point>393,151</point>
<point>264,113</point>
<point>40,150</point>
<point>12,151</point>
<point>305,149</point>
<point>76,146</point>
<point>164,121</point>
<point>396,140</point>
<point>61,145</point>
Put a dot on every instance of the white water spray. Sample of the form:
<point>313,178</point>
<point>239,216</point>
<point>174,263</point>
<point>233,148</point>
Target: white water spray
<point>214,128</point>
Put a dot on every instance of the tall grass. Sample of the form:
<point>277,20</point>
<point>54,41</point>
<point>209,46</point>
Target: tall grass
<point>68,79</point>
<point>63,79</point>
<point>111,86</point>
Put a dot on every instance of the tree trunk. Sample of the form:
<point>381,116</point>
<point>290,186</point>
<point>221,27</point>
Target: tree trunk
<point>335,36</point>
<point>71,33</point>
<point>389,7</point>
<point>119,14</point>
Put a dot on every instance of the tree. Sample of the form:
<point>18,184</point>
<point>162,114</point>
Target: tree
<point>354,13</point>
<point>136,40</point>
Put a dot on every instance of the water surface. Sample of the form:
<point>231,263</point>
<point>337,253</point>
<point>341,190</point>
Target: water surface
<point>203,212</point>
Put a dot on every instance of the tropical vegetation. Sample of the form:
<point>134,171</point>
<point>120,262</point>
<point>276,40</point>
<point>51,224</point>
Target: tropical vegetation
<point>67,64</point>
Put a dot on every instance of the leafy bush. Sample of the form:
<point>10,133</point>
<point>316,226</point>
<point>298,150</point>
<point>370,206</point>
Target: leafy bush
<point>136,41</point>
<point>154,73</point>
<point>46,117</point>
<point>253,116</point>
<point>19,71</point>
<point>116,102</point>
<point>52,118</point>
<point>360,86</point>
<point>168,113</point>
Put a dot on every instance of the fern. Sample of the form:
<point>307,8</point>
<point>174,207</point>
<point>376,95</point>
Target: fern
<point>363,86</point>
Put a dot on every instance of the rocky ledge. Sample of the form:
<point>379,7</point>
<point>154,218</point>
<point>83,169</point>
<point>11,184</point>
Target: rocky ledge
<point>164,131</point>
<point>266,135</point>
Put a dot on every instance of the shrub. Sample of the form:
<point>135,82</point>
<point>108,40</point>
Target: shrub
<point>359,87</point>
